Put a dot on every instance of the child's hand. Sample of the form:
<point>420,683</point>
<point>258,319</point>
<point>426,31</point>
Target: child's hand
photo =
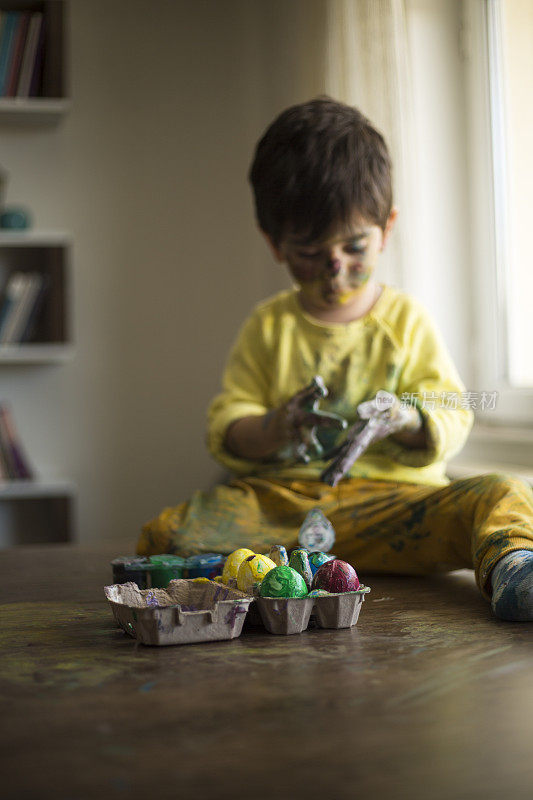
<point>285,432</point>
<point>299,418</point>
<point>392,416</point>
<point>382,416</point>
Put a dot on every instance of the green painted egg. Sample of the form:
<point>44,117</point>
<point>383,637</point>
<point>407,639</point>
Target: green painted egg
<point>283,582</point>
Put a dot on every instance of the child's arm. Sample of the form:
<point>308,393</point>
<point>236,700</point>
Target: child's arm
<point>255,437</point>
<point>415,437</point>
<point>244,425</point>
<point>430,383</point>
<point>426,421</point>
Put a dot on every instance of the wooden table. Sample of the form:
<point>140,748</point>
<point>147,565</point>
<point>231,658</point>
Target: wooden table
<point>427,697</point>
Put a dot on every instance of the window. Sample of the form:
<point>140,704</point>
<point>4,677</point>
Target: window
<point>499,51</point>
<point>517,68</point>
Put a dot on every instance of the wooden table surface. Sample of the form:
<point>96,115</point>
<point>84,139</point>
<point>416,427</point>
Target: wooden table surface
<point>428,697</point>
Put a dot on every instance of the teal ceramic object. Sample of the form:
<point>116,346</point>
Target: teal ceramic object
<point>15,219</point>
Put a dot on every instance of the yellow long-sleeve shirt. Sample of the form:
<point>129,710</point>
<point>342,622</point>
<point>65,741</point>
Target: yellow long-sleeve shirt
<point>395,347</point>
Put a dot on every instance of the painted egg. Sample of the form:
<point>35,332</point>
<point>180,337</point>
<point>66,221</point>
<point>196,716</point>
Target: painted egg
<point>278,554</point>
<point>233,562</point>
<point>336,576</point>
<point>316,560</point>
<point>252,570</point>
<point>319,593</point>
<point>283,582</point>
<point>299,561</point>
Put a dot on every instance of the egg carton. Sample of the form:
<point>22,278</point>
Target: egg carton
<point>187,611</point>
<point>288,615</point>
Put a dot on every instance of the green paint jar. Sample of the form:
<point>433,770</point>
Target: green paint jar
<point>154,571</point>
<point>165,568</point>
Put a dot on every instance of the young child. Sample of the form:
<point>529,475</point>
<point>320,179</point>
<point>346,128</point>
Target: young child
<point>321,178</point>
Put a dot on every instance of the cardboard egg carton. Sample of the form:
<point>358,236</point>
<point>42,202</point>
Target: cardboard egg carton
<point>287,615</point>
<point>199,610</point>
<point>187,611</point>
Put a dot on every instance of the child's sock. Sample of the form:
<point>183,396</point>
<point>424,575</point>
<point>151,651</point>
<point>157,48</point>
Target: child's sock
<point>512,586</point>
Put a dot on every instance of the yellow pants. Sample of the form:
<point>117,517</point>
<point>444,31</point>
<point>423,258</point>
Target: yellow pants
<point>380,526</point>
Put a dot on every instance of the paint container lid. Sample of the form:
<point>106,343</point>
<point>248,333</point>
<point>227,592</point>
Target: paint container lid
<point>205,560</point>
<point>123,563</point>
<point>164,568</point>
<point>167,560</point>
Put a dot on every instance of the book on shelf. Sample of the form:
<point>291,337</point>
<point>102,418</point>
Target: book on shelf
<point>21,53</point>
<point>8,26</point>
<point>18,53</point>
<point>12,296</point>
<point>14,461</point>
<point>23,298</point>
<point>32,312</point>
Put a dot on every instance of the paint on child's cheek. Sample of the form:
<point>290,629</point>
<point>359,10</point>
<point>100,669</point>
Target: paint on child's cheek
<point>359,274</point>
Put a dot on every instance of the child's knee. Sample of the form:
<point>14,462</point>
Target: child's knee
<point>502,483</point>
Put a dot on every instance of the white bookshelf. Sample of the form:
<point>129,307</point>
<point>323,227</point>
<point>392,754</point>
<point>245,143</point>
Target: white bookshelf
<point>39,510</point>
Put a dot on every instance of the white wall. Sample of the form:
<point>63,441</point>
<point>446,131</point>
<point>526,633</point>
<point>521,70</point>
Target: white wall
<point>148,171</point>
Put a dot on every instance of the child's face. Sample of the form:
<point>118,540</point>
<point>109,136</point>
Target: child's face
<point>336,272</point>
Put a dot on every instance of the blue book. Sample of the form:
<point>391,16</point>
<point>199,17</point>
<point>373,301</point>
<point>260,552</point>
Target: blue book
<point>7,42</point>
<point>13,295</point>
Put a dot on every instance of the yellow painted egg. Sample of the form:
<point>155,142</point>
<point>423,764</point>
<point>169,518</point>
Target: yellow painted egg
<point>233,562</point>
<point>252,570</point>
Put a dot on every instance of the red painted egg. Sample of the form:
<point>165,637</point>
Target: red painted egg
<point>336,576</point>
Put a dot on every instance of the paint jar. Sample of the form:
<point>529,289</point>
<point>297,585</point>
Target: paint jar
<point>165,568</point>
<point>155,571</point>
<point>207,565</point>
<point>130,568</point>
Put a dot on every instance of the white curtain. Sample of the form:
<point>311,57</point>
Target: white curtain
<point>367,65</point>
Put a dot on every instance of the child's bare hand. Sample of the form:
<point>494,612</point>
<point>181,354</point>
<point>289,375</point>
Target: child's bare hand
<point>299,418</point>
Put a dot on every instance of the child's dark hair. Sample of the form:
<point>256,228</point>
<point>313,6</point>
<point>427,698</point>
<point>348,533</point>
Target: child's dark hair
<point>317,164</point>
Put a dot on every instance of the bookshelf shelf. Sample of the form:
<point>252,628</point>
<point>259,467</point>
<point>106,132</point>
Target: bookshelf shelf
<point>32,110</point>
<point>34,489</point>
<point>35,353</point>
<point>34,238</point>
